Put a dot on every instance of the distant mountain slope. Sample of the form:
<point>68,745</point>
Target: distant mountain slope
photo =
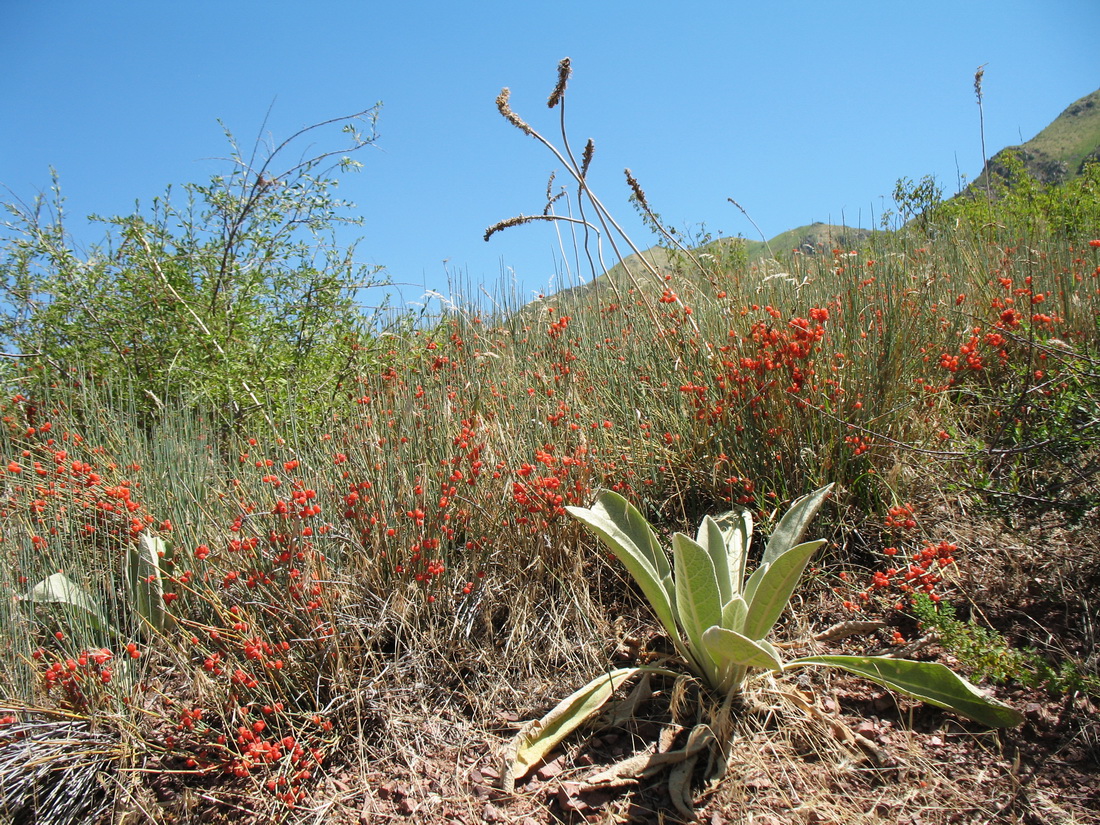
<point>814,238</point>
<point>1059,152</point>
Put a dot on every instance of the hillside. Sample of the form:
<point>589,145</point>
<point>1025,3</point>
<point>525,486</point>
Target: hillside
<point>1060,151</point>
<point>1056,155</point>
<point>811,239</point>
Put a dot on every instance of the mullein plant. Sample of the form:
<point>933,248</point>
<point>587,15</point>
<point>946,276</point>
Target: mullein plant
<point>144,585</point>
<point>719,620</point>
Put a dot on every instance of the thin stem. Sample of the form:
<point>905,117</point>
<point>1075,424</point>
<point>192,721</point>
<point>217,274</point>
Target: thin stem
<point>981,126</point>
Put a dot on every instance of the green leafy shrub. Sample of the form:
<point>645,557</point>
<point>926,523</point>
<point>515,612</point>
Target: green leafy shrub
<point>989,655</point>
<point>236,298</point>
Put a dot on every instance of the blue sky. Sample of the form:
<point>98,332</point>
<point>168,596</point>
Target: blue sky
<point>801,111</point>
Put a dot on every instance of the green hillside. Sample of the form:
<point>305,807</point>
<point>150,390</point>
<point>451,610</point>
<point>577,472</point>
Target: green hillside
<point>811,239</point>
<point>716,256</point>
<point>1059,152</point>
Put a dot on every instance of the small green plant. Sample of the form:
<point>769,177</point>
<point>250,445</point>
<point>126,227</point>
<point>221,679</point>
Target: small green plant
<point>719,621</point>
<point>95,674</point>
<point>990,656</point>
<point>982,649</point>
<point>144,586</point>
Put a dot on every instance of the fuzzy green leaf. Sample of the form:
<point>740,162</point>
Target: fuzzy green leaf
<point>794,523</point>
<point>731,647</point>
<point>772,649</point>
<point>146,582</point>
<point>635,527</point>
<point>710,536</point>
<point>929,682</point>
<point>537,739</point>
<point>754,581</point>
<point>736,529</point>
<point>628,535</point>
<point>698,603</point>
<point>733,613</point>
<point>774,588</point>
<point>60,589</point>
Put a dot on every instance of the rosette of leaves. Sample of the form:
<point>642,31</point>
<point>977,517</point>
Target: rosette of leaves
<point>718,617</point>
<point>144,580</point>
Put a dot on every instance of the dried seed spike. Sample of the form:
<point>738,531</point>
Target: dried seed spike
<point>979,72</point>
<point>586,158</point>
<point>564,71</point>
<point>638,193</point>
<point>516,221</point>
<point>506,110</point>
<point>550,196</point>
<point>546,213</point>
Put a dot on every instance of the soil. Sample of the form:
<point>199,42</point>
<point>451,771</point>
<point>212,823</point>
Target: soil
<point>921,766</point>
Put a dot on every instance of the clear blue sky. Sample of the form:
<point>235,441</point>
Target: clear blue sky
<point>801,111</point>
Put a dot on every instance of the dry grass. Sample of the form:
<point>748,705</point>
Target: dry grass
<point>364,613</point>
<point>58,769</point>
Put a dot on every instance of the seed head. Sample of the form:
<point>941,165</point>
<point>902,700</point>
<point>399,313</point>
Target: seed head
<point>978,81</point>
<point>551,198</point>
<point>564,71</point>
<point>586,158</point>
<point>510,116</point>
<point>636,189</point>
<point>516,221</point>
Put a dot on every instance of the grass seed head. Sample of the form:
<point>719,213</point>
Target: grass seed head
<point>564,70</point>
<point>506,110</point>
<point>636,188</point>
<point>586,158</point>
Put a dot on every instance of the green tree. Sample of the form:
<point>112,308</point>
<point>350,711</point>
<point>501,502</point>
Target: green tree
<point>916,201</point>
<point>236,297</point>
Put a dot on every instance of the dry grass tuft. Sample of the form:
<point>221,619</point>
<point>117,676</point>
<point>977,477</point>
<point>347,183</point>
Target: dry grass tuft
<point>56,769</point>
